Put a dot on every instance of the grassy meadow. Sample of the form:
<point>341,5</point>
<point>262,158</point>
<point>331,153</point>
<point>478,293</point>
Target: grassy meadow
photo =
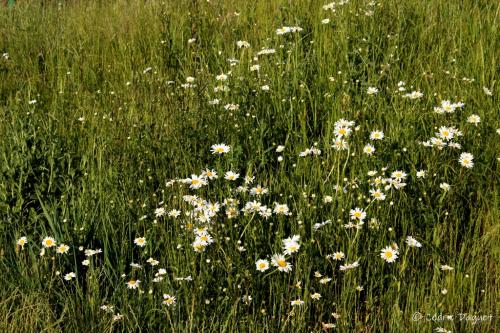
<point>249,166</point>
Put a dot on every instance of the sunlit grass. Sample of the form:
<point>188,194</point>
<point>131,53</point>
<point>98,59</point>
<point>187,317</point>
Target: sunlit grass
<point>109,113</point>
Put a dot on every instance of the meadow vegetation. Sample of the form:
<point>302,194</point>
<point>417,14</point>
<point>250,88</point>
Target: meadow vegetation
<point>249,166</point>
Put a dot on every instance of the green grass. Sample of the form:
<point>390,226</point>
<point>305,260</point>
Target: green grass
<point>88,163</point>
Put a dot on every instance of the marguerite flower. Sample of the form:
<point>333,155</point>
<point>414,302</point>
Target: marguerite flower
<point>22,241</point>
<point>281,209</point>
<point>339,255</point>
<point>398,175</point>
<point>204,239</point>
<point>368,149</point>
<point>159,212</point>
<point>198,245</point>
<point>62,248</point>
<point>220,149</point>
<point>174,213</point>
<point>242,44</point>
<point>414,95</point>
<point>340,144</point>
<point>169,300</point>
<point>140,241</point>
<point>389,254</point>
<point>258,190</point>
<point>487,91</point>
<point>70,276</point>
<point>325,280</point>
<point>283,30</point>
<point>421,173</point>
<point>231,176</point>
<point>279,261</point>
<point>466,160</point>
<point>447,107</point>
<point>474,119</point>
<point>297,302</point>
<point>117,317</point>
<point>377,194</point>
<point>152,261</point>
<point>196,181</point>
<point>262,265</point>
<point>349,266</point>
<point>357,214</point>
<point>316,296</point>
<point>133,284</point>
<point>445,133</point>
<point>412,242</point>
<point>344,123</point>
<point>446,268</point>
<point>341,132</point>
<point>291,245</point>
<point>48,242</point>
<point>445,187</point>
<point>376,135</point>
<point>221,77</point>
<point>442,330</point>
<point>210,174</point>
